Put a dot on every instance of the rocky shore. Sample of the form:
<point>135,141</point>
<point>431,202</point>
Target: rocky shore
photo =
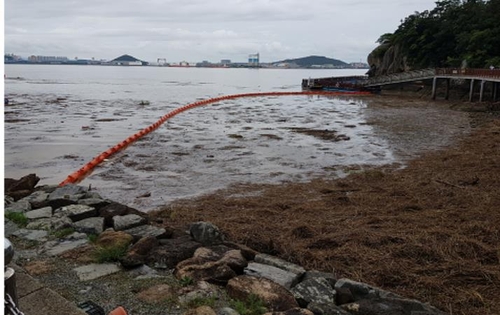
<point>88,248</point>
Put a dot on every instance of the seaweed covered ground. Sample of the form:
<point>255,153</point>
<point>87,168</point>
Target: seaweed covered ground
<point>429,231</point>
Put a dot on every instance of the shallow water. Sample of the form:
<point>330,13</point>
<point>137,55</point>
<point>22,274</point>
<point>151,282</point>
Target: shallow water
<point>61,117</point>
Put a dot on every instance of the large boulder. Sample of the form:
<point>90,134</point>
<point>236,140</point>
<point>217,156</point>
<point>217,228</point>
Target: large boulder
<point>390,306</point>
<point>274,296</point>
<point>93,225</point>
<point>128,221</point>
<point>76,212</point>
<point>170,252</point>
<point>202,310</point>
<point>293,311</point>
<point>114,209</point>
<point>19,188</point>
<point>285,278</point>
<point>280,263</point>
<point>208,265</point>
<point>206,233</point>
<point>38,199</point>
<point>109,239</point>
<point>361,290</point>
<point>317,290</point>
<point>138,253</point>
<point>65,195</point>
<point>326,309</point>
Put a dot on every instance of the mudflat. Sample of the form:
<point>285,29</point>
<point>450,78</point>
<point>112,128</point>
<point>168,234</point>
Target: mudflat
<point>429,231</point>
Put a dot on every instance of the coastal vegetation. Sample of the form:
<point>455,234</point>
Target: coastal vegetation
<point>455,33</point>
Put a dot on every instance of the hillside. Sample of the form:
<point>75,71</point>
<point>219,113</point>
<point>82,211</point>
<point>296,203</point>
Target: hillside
<point>313,61</point>
<point>453,34</point>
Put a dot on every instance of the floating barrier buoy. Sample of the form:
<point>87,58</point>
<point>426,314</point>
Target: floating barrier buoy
<point>79,175</point>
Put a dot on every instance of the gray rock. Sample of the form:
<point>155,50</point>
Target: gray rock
<point>113,209</point>
<point>327,309</point>
<point>65,196</point>
<point>8,200</point>
<point>76,236</point>
<point>206,233</point>
<point>275,297</point>
<point>31,235</point>
<point>320,274</point>
<point>391,306</point>
<point>68,191</point>
<point>209,265</point>
<point>95,271</point>
<point>292,311</point>
<point>20,206</point>
<point>60,223</point>
<point>9,228</point>
<point>144,272</point>
<point>25,254</point>
<point>76,212</point>
<point>94,202</point>
<point>47,188</point>
<point>92,195</point>
<point>90,226</point>
<point>39,213</point>
<point>55,224</point>
<point>202,290</point>
<point>137,254</point>
<point>362,290</point>
<point>285,278</point>
<point>56,248</point>
<point>227,311</point>
<point>145,231</point>
<point>125,222</point>
<point>37,199</point>
<point>171,252</point>
<point>40,224</point>
<point>280,263</point>
<point>344,296</point>
<point>317,290</point>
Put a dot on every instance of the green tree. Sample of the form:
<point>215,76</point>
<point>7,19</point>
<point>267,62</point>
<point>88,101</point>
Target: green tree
<point>453,32</point>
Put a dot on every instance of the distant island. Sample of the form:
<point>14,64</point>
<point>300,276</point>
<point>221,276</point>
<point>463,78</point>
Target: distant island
<point>310,62</point>
<point>313,62</point>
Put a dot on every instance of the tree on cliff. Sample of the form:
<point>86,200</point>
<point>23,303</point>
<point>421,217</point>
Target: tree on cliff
<point>452,33</point>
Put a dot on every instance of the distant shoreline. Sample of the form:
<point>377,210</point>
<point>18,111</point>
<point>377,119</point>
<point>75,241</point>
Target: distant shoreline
<point>264,66</point>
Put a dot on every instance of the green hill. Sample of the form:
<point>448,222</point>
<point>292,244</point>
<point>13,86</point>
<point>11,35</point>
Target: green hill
<point>313,61</point>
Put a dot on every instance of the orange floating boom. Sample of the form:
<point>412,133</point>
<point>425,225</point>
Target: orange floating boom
<point>83,172</point>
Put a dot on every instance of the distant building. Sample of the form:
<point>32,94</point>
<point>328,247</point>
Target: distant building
<point>127,60</point>
<point>162,61</point>
<point>225,61</point>
<point>253,60</point>
<point>47,59</point>
<point>11,58</point>
<point>359,65</point>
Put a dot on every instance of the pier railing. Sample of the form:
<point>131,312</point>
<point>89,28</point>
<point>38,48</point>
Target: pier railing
<point>484,73</point>
<point>414,75</point>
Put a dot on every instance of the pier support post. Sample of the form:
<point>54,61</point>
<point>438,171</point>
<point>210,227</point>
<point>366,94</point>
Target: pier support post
<point>481,91</point>
<point>495,91</point>
<point>447,95</point>
<point>434,87</point>
<point>471,92</point>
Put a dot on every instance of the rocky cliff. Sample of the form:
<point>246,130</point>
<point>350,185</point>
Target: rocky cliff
<point>387,59</point>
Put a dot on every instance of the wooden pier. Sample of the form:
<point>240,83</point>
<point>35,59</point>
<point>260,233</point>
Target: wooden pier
<point>364,83</point>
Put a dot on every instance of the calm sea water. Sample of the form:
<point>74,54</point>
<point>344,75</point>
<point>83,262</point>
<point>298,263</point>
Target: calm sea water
<point>60,117</point>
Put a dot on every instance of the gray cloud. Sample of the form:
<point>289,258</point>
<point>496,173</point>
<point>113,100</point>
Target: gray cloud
<point>195,30</point>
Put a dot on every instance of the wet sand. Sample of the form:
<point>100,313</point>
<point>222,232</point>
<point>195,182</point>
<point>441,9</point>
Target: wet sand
<point>255,140</point>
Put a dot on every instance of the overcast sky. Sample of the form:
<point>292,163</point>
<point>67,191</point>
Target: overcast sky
<point>196,30</point>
